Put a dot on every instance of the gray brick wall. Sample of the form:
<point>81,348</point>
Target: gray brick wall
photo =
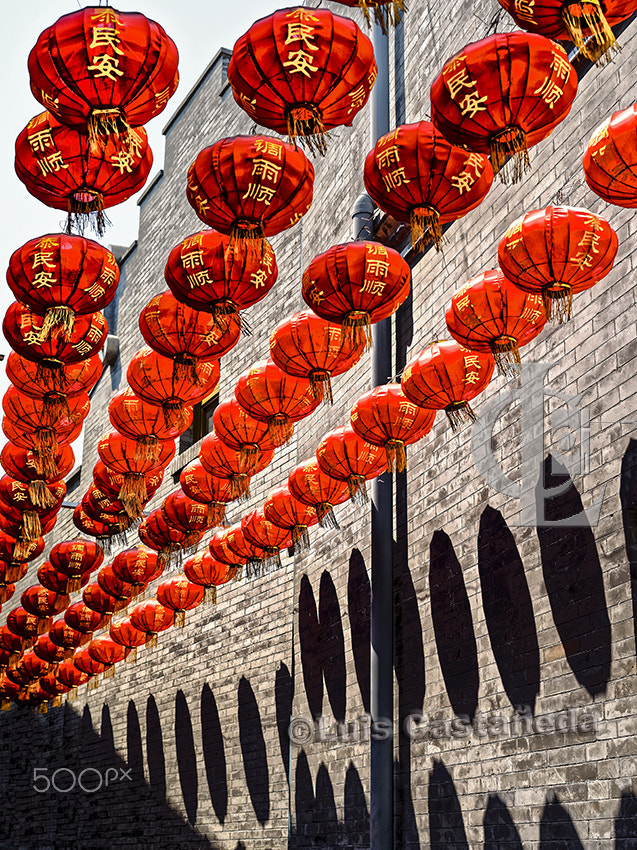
<point>488,614</point>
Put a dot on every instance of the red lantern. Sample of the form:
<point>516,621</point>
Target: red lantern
<point>26,526</point>
<point>74,558</point>
<point>42,602</point>
<point>126,635</point>
<point>94,527</point>
<point>417,177</point>
<point>53,579</point>
<point>356,285</point>
<point>26,625</point>
<point>153,379</point>
<point>12,572</point>
<point>186,336</point>
<point>489,313</point>
<point>121,455</point>
<point>446,376</point>
<point>144,423</point>
<point>106,651</point>
<point>208,573</point>
<point>27,466</point>
<point>15,494</point>
<point>185,514</point>
<point>179,595</point>
<point>7,590</point>
<point>242,433</point>
<point>386,417</point>
<point>250,187</point>
<point>48,651</point>
<point>30,416</point>
<point>311,486</point>
<point>22,329</point>
<point>113,585</point>
<point>14,550</point>
<point>138,567</point>
<point>610,160</point>
<point>210,490</point>
<point>104,71</point>
<point>270,395</point>
<point>103,603</point>
<point>305,346</point>
<point>587,23</point>
<point>8,691</point>
<point>58,167</point>
<point>83,619</point>
<point>71,677</point>
<point>286,512</point>
<point>10,642</point>
<point>155,533</point>
<point>85,663</point>
<point>557,252</point>
<point>502,95</point>
<point>303,72</point>
<point>151,617</point>
<point>60,276</point>
<point>222,462</point>
<point>209,272</point>
<point>221,551</point>
<point>29,668</point>
<point>343,455</point>
<point>266,540</point>
<point>65,637</point>
<point>386,12</point>
<point>110,482</point>
<point>51,686</point>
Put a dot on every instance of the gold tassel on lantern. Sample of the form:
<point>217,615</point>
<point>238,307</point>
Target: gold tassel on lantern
<point>132,655</point>
<point>109,673</point>
<point>248,457</point>
<point>459,413</point>
<point>55,406</point>
<point>210,595</point>
<point>248,233</point>
<point>385,13</point>
<point>558,301</point>
<point>86,208</point>
<point>321,385</point>
<point>280,429</point>
<point>74,584</point>
<point>240,487</point>
<point>46,446</point>
<point>175,416</point>
<point>325,514</point>
<point>357,329</point>
<point>31,526</point>
<point>510,143</point>
<point>357,489</point>
<point>56,702</point>
<point>151,640</point>
<point>306,122</point>
<point>133,494</point>
<point>185,367</point>
<point>40,494</point>
<point>507,356</point>
<point>147,447</point>
<point>425,226</point>
<point>5,704</point>
<point>396,455</point>
<point>223,308</point>
<point>72,695</point>
<point>300,539</point>
<point>58,322</point>
<point>92,684</point>
<point>180,619</point>
<point>216,514</point>
<point>600,40</point>
<point>50,373</point>
<point>43,708</point>
<point>103,123</point>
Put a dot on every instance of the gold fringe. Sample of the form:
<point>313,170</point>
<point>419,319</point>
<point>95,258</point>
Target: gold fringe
<point>185,368</point>
<point>459,413</point>
<point>396,455</point>
<point>43,707</point>
<point>72,695</point>
<point>357,329</point>
<point>46,446</point>
<point>558,301</point>
<point>357,489</point>
<point>425,227</point>
<point>109,673</point>
<point>240,486</point>
<point>321,385</point>
<point>74,584</point>
<point>510,143</point>
<point>175,415</point>
<point>300,539</point>
<point>147,447</point>
<point>180,619</point>
<point>326,517</point>
<point>601,42</point>
<point>248,457</point>
<point>31,526</point>
<point>216,514</point>
<point>151,640</point>
<point>305,122</point>
<point>21,550</point>
<point>86,213</point>
<point>50,373</point>
<point>384,13</point>
<point>250,234</point>
<point>223,308</point>
<point>56,702</point>
<point>133,494</point>
<point>210,595</point>
<point>58,322</point>
<point>131,657</point>
<point>14,572</point>
<point>40,494</point>
<point>103,123</point>
<point>280,429</point>
<point>5,704</point>
<point>55,406</point>
<point>507,356</point>
<point>253,568</point>
<point>93,683</point>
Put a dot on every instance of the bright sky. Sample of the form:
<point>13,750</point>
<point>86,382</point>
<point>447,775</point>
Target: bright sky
<point>198,27</point>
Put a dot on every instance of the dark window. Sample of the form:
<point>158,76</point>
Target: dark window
<point>201,422</point>
<point>74,481</point>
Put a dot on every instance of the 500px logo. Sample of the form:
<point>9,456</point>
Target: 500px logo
<point>89,780</point>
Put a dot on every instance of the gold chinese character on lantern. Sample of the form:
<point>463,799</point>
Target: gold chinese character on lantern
<point>124,161</point>
<point>42,258</point>
<point>200,278</point>
<point>44,280</point>
<point>267,170</point>
<point>269,148</point>
<point>51,163</point>
<point>40,140</point>
<point>394,179</point>
<point>472,103</point>
<point>550,92</point>
<point>106,37</point>
<point>261,194</point>
<point>388,156</point>
<point>106,66</point>
<point>300,62</point>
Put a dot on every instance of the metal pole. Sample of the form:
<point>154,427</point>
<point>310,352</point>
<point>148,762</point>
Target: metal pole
<point>382,613</point>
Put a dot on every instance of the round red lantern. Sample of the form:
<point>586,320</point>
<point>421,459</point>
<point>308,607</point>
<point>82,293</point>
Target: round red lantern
<point>27,466</point>
<point>74,558</point>
<point>343,455</point>
<point>221,551</point>
<point>113,585</point>
<point>58,166</point>
<point>104,71</point>
<point>155,533</point>
<point>286,512</point>
<point>60,276</point>
<point>303,72</point>
<point>310,485</point>
<point>356,285</point>
<point>152,378</point>
<point>556,252</point>
<point>106,651</point>
<point>125,634</point>
<point>15,494</point>
<point>48,651</point>
<point>266,540</point>
<point>151,617</point>
<point>222,462</point>
<point>587,23</point>
<point>210,490</point>
<point>242,433</point>
<point>179,595</point>
<point>65,637</point>
<point>88,665</point>
<point>14,550</point>
<point>446,376</point>
<point>489,313</point>
<point>185,514</point>
<point>209,272</point>
<point>101,602</point>
<point>11,642</point>
<point>204,570</point>
<point>122,456</point>
<point>186,336</point>
<point>250,187</point>
<point>415,175</point>
<point>52,579</point>
<point>306,346</point>
<point>71,677</point>
<point>502,95</point>
<point>144,423</point>
<point>610,160</point>
<point>42,602</point>
<point>12,572</point>
<point>27,526</point>
<point>270,395</point>
<point>386,417</point>
<point>83,619</point>
<point>138,567</point>
<point>26,625</point>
